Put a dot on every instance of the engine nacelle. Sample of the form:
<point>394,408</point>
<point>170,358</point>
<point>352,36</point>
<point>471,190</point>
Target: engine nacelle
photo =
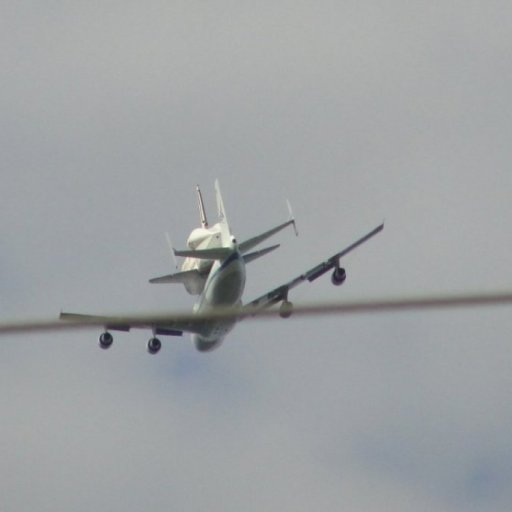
<point>106,340</point>
<point>154,345</point>
<point>338,276</point>
<point>286,309</point>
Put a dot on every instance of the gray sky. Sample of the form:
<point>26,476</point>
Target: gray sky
<point>111,112</point>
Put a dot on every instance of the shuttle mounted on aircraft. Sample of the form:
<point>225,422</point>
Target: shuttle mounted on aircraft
<point>214,270</point>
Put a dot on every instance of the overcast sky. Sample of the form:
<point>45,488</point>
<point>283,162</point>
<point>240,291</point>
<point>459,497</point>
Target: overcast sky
<point>111,113</point>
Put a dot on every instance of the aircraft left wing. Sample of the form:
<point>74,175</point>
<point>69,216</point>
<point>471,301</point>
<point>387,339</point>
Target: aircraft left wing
<point>113,323</point>
<point>281,292</point>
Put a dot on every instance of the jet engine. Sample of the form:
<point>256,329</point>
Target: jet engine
<point>286,309</point>
<point>106,340</point>
<point>338,276</point>
<point>154,345</point>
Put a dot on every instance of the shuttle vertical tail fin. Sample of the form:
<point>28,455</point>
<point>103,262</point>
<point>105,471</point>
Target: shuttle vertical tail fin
<point>223,221</point>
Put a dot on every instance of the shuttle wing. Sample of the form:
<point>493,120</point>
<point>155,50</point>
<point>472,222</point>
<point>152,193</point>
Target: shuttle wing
<point>189,276</point>
<point>281,292</point>
<point>193,280</point>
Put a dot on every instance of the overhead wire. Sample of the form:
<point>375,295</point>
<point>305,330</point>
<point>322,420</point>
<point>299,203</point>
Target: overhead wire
<point>331,308</point>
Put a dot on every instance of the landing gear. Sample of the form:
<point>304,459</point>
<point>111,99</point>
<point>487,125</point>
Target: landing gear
<point>106,340</point>
<point>154,345</point>
<point>286,309</point>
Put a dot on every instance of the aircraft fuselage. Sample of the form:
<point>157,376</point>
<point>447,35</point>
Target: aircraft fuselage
<point>224,287</point>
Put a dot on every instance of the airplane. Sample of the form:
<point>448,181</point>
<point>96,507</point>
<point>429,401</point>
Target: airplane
<point>214,270</point>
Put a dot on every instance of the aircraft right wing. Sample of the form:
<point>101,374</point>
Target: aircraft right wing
<point>281,292</point>
<point>162,325</point>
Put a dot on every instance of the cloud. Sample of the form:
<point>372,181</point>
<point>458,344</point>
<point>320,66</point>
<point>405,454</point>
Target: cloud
<point>110,116</point>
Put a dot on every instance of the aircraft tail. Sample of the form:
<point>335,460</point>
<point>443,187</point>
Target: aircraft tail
<point>223,221</point>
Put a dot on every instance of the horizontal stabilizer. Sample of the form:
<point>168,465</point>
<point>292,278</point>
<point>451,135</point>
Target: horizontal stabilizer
<point>253,242</point>
<point>258,254</point>
<point>220,253</point>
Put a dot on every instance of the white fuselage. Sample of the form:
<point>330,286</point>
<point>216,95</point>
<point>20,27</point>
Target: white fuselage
<point>223,287</point>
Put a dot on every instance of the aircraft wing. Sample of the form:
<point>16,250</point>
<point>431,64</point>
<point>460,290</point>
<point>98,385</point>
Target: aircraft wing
<point>281,292</point>
<point>159,325</point>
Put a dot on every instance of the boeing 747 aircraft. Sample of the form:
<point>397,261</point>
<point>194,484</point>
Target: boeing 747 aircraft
<point>214,269</point>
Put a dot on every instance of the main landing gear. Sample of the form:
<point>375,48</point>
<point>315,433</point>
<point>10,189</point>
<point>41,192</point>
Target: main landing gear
<point>106,339</point>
